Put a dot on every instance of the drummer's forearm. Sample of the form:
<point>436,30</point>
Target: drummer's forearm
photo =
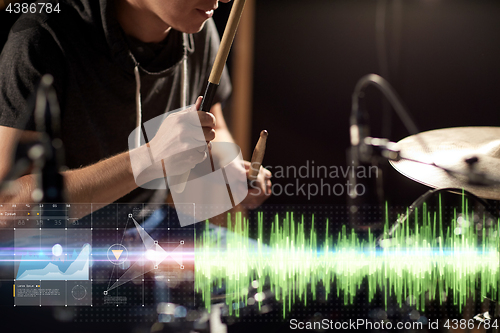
<point>101,183</point>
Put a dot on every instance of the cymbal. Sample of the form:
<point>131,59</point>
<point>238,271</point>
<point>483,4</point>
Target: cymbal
<point>457,149</point>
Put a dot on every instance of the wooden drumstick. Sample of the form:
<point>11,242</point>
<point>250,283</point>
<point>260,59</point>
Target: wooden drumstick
<point>258,156</point>
<point>222,54</point>
<point>214,80</point>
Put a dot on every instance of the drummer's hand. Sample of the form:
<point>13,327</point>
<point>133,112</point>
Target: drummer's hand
<point>260,189</point>
<point>181,139</point>
<point>181,143</point>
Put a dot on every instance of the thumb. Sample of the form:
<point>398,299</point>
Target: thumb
<point>198,103</point>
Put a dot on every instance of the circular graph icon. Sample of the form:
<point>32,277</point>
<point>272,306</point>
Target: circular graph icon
<point>57,250</point>
<point>79,292</point>
<point>117,254</point>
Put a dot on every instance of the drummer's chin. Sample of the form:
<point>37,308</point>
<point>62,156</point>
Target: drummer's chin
<point>193,29</point>
<point>194,23</point>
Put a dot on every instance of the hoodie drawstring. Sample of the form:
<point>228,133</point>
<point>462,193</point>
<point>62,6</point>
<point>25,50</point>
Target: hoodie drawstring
<point>188,44</point>
<point>138,106</point>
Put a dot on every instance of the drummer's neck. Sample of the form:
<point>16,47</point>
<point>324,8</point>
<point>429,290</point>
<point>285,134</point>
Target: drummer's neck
<point>141,23</point>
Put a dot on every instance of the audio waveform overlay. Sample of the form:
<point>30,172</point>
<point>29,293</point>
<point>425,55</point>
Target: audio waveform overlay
<point>43,267</point>
<point>425,258</point>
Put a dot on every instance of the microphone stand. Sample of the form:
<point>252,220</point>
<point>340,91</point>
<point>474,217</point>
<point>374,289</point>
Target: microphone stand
<point>44,156</point>
<point>366,152</point>
<point>47,118</point>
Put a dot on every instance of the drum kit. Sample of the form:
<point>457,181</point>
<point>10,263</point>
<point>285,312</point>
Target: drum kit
<point>460,160</point>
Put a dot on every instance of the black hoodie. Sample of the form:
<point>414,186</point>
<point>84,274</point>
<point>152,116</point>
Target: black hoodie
<point>92,61</point>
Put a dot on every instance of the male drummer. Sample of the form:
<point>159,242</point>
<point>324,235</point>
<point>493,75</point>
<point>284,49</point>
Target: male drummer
<point>113,62</point>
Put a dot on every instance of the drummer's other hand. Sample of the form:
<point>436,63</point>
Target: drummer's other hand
<point>259,189</point>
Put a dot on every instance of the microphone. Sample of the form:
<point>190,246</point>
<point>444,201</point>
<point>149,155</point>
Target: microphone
<point>359,130</point>
<point>363,191</point>
<point>365,151</point>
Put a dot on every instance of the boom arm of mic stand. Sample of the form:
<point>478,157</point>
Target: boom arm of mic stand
<point>363,147</point>
<point>389,93</point>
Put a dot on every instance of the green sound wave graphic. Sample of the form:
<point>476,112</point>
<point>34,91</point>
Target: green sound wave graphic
<point>421,260</point>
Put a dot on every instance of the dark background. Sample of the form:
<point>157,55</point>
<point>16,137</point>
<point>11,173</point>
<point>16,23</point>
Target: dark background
<point>443,59</point>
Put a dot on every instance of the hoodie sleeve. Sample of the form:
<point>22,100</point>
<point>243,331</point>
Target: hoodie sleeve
<point>30,52</point>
